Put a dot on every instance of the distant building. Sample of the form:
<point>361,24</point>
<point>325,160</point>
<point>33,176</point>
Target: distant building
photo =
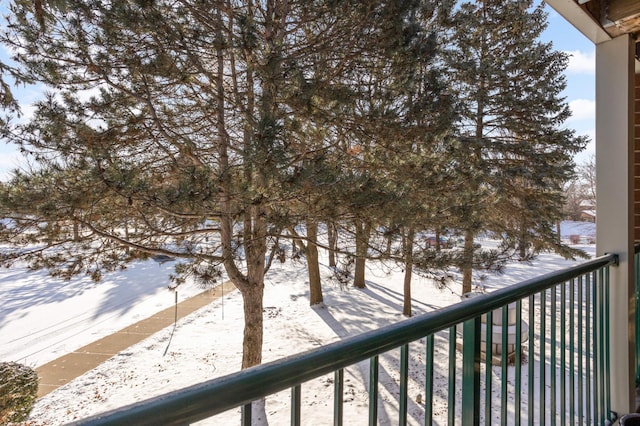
<point>588,215</point>
<point>587,211</point>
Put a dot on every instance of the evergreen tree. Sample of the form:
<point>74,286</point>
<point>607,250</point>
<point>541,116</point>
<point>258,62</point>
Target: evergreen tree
<point>411,157</point>
<point>405,111</point>
<point>173,128</point>
<point>512,151</point>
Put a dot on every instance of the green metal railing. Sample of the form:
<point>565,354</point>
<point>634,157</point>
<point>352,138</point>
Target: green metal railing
<point>532,353</point>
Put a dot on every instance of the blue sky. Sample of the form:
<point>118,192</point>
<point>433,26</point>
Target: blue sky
<point>581,86</point>
<point>580,92</point>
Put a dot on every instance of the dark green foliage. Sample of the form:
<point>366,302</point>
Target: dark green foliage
<point>210,131</point>
<point>18,392</point>
<point>204,130</point>
<point>512,153</point>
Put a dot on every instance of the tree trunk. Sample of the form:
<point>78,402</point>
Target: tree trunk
<point>522,243</point>
<point>252,296</point>
<point>523,238</point>
<point>476,160</point>
<point>311,252</point>
<point>249,283</point>
<point>362,243</point>
<point>389,240</point>
<point>467,262</point>
<point>332,236</point>
<point>408,270</point>
<point>522,250</point>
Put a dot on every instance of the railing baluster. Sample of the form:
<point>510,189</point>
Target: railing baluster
<point>554,348</point>
<point>531,354</point>
<point>504,360</point>
<point>338,392</point>
<point>518,360</point>
<point>572,352</point>
<point>607,345</point>
<point>596,350</point>
<point>471,371</point>
<point>581,313</point>
<point>404,383</point>
<point>428,385</point>
<point>451,397</point>
<point>588,347</point>
<point>563,354</point>
<point>543,351</point>
<point>374,363</point>
<point>488,367</point>
<point>295,405</point>
<point>602,325</point>
<point>245,415</point>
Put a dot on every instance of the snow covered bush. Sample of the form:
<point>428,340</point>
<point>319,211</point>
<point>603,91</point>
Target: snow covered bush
<point>18,391</point>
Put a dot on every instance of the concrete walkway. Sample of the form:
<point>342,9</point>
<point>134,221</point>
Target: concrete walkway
<point>66,368</point>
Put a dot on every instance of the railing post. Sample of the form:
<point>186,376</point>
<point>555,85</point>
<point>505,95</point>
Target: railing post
<point>245,416</point>
<point>296,398</point>
<point>338,392</point>
<point>615,174</point>
<point>471,372</point>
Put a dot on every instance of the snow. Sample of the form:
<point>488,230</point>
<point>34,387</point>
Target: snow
<point>42,319</point>
<point>585,230</point>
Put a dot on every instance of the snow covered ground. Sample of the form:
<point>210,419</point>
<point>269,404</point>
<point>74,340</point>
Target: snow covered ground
<point>42,319</point>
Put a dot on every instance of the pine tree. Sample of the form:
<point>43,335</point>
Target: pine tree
<point>412,158</point>
<point>174,129</point>
<point>512,149</point>
<point>405,112</point>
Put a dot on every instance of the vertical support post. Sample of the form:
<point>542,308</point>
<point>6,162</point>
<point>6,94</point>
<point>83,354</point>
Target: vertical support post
<point>504,361</point>
<point>563,353</point>
<point>531,363</point>
<point>451,392</point>
<point>404,384</point>
<point>581,379</point>
<point>572,352</point>
<point>607,343</point>
<point>373,389</point>
<point>554,361</point>
<point>428,385</point>
<point>471,372</point>
<point>488,367</point>
<point>338,392</point>
<point>601,348</point>
<point>245,415</point>
<point>543,350</point>
<point>595,349</point>
<point>614,187</point>
<point>518,360</point>
<point>589,347</point>
<point>296,398</point>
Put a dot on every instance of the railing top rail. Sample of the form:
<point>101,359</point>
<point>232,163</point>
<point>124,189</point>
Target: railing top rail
<point>218,395</point>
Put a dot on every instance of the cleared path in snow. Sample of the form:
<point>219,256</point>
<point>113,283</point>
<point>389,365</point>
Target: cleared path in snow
<point>62,370</point>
